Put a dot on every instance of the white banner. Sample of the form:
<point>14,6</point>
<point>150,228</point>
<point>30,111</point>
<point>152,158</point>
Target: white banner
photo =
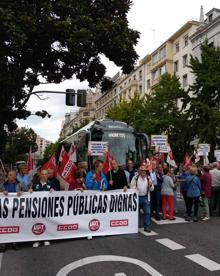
<point>97,148</point>
<point>67,214</point>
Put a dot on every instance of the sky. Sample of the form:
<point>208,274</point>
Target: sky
<point>156,21</point>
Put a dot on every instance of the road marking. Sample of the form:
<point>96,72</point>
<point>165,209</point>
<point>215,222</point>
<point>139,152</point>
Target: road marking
<point>152,233</point>
<point>203,261</point>
<point>167,221</point>
<point>170,244</point>
<point>107,258</point>
<point>120,274</point>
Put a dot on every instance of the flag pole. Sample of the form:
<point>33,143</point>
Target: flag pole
<point>2,165</point>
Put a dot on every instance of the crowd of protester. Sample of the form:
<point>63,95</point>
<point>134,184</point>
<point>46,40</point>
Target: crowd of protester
<point>157,187</point>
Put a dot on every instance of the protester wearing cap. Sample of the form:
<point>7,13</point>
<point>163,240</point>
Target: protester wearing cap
<point>144,185</point>
<point>23,177</point>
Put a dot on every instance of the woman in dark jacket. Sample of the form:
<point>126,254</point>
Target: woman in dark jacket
<point>206,182</point>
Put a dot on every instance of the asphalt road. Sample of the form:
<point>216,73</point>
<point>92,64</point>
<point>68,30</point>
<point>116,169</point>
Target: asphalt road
<point>201,238</point>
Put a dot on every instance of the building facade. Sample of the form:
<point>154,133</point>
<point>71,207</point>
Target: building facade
<point>124,88</point>
<point>172,57</point>
<point>74,119</point>
<point>209,29</point>
<point>42,145</point>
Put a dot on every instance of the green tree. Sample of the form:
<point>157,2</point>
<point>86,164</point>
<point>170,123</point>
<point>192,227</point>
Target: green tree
<point>18,145</point>
<point>204,96</point>
<point>163,111</point>
<point>165,114</point>
<point>128,111</point>
<point>49,41</point>
<point>51,149</point>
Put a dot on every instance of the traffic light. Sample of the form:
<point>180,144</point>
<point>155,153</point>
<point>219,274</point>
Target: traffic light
<point>81,97</point>
<point>70,97</point>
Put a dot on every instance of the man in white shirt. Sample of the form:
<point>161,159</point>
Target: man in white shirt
<point>143,184</point>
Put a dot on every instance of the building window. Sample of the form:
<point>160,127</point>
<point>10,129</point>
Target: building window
<point>210,17</point>
<point>115,92</point>
<point>86,113</point>
<point>154,75</point>
<point>148,84</point>
<point>177,46</point>
<point>140,75</point>
<point>185,60</point>
<point>176,66</point>
<point>162,53</point>
<point>140,88</point>
<point>162,70</point>
<point>186,40</point>
<point>155,58</point>
<point>134,77</point>
<point>185,80</point>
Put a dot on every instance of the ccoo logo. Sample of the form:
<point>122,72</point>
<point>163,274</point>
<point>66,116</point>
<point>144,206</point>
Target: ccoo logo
<point>94,225</point>
<point>38,228</point>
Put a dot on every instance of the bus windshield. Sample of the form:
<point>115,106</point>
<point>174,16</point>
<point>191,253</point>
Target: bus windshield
<point>122,145</point>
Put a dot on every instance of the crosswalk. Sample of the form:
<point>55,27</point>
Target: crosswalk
<point>170,244</point>
<point>199,259</point>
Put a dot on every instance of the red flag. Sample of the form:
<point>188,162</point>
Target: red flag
<point>62,153</point>
<point>149,164</point>
<point>30,163</point>
<point>187,161</point>
<point>51,164</point>
<point>67,167</point>
<point>107,164</point>
<point>170,159</point>
<point>72,151</point>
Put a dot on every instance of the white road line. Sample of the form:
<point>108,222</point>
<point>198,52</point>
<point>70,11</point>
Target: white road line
<point>167,221</point>
<point>120,274</point>
<point>152,233</point>
<point>170,244</point>
<point>107,258</point>
<point>203,261</point>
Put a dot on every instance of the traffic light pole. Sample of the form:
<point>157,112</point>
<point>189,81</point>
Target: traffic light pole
<point>50,92</point>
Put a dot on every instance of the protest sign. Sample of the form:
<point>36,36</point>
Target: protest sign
<point>203,149</point>
<point>159,140</point>
<point>97,148</point>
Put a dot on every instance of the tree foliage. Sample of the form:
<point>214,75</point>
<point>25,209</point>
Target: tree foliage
<point>49,41</point>
<point>161,112</point>
<point>18,145</point>
<point>205,96</point>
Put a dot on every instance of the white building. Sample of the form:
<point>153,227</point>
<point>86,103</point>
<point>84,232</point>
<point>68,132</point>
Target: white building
<point>209,29</point>
<point>42,145</point>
